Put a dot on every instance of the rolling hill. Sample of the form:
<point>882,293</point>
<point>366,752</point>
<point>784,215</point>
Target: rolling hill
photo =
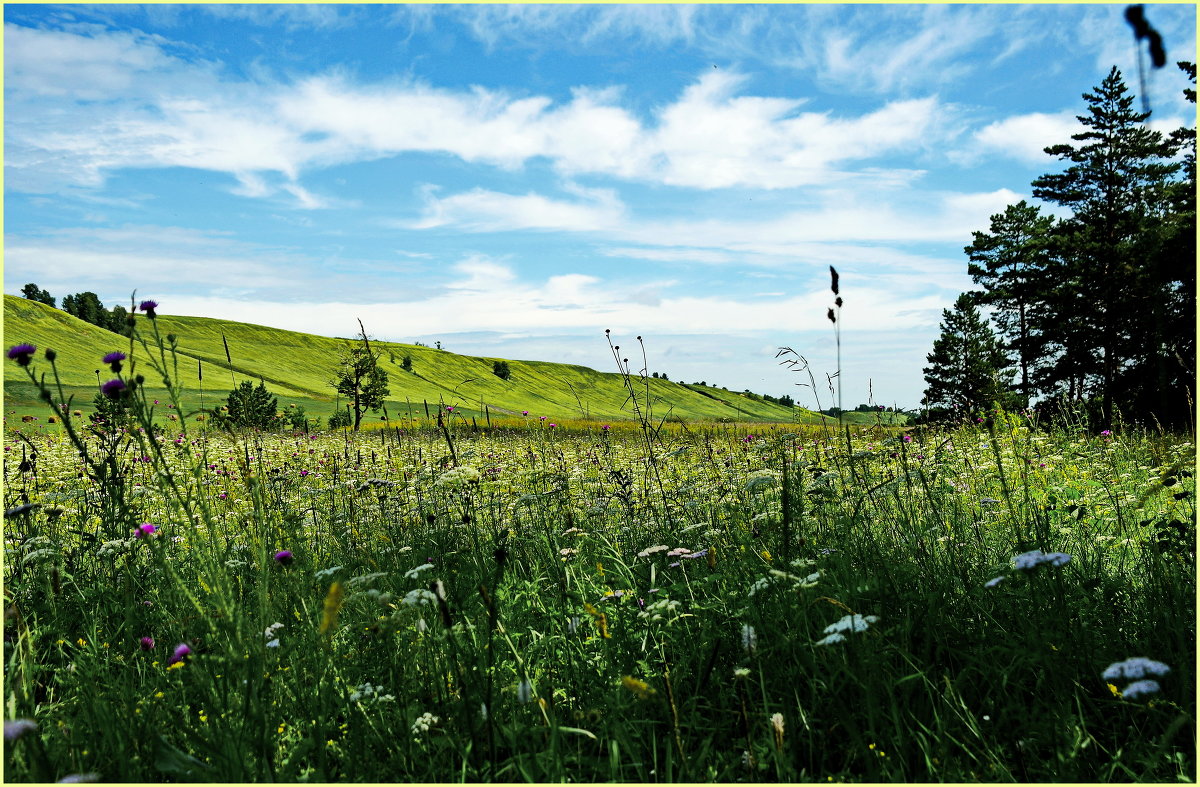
<point>298,368</point>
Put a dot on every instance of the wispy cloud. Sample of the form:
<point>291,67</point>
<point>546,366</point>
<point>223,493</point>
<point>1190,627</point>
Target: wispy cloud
<point>711,136</point>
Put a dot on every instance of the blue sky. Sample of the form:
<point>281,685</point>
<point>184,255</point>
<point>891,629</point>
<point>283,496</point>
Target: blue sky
<point>513,180</point>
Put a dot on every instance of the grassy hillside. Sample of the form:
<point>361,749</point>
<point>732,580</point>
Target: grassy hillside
<point>298,368</point>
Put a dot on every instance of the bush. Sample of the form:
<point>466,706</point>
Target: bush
<point>501,370</point>
<point>249,407</point>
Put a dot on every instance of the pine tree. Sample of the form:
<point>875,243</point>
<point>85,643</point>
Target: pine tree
<point>1013,263</point>
<point>251,407</point>
<point>1116,187</point>
<point>968,369</point>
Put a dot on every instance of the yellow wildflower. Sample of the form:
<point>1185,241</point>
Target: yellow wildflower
<point>333,606</point>
<point>640,688</point>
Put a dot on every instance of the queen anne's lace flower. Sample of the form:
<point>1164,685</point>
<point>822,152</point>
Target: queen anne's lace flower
<point>853,623</point>
<point>1136,667</point>
<point>1027,561</point>
<point>424,723</point>
<point>1140,687</point>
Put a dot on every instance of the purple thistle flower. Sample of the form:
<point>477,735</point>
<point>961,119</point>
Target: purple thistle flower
<point>13,730</point>
<point>147,643</point>
<point>524,412</point>
<point>114,389</point>
<point>148,307</point>
<point>606,427</point>
<point>114,361</point>
<point>181,651</point>
<point>283,557</point>
<point>22,353</point>
<point>907,438</point>
<point>144,529</point>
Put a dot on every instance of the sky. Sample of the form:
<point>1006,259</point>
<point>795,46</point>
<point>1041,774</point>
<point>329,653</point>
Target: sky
<point>511,181</point>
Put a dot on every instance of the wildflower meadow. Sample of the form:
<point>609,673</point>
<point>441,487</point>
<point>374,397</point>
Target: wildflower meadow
<point>1008,600</point>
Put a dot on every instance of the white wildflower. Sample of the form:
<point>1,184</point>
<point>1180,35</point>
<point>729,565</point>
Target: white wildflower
<point>749,638</point>
<point>659,610</point>
<point>759,586</point>
<point>270,636</point>
<point>1027,561</point>
<point>458,478</point>
<point>418,597</point>
<point>1140,687</point>
<point>832,639</point>
<point>1136,667</point>
<point>424,723</point>
<point>853,623</point>
<point>414,573</point>
<point>648,551</point>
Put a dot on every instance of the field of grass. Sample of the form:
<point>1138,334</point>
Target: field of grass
<point>709,602</point>
<point>298,368</point>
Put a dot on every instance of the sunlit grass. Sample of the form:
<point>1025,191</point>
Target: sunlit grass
<point>650,601</point>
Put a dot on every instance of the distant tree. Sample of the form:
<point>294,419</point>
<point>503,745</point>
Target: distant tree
<point>340,419</point>
<point>968,367</point>
<point>87,307</point>
<point>654,375</point>
<point>786,401</point>
<point>249,407</point>
<point>1013,264</point>
<point>360,378</point>
<point>406,363</point>
<point>295,417</point>
<point>1109,314</point>
<point>33,293</point>
<point>501,370</point>
<point>438,345</point>
<point>663,375</point>
<point>118,321</point>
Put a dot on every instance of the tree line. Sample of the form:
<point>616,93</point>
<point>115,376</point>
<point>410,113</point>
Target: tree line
<point>1094,308</point>
<point>87,306</point>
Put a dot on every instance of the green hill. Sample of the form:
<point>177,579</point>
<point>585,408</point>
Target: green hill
<point>298,368</point>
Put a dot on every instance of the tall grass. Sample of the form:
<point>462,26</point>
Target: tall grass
<point>536,603</point>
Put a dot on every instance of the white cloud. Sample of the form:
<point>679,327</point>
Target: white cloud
<point>132,106</point>
<point>839,218</point>
<point>1025,137</point>
<point>490,296</point>
<point>480,210</point>
<point>94,67</point>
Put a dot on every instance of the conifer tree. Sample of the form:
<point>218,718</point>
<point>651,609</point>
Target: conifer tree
<point>968,368</point>
<point>251,407</point>
<point>1105,319</point>
<point>1012,262</point>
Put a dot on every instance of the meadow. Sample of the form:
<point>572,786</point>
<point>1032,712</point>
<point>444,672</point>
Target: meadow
<point>1006,600</point>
